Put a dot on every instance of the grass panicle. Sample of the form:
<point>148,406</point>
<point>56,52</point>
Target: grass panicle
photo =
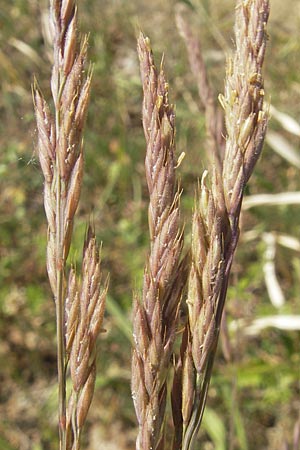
<point>85,306</point>
<point>215,228</point>
<point>60,149</point>
<point>80,300</point>
<point>155,316</point>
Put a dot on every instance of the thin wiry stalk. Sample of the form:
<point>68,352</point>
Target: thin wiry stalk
<point>296,435</point>
<point>155,317</point>
<point>215,144</point>
<point>61,158</point>
<point>217,209</point>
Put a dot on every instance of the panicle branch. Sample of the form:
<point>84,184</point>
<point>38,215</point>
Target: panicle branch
<point>85,306</point>
<point>243,100</point>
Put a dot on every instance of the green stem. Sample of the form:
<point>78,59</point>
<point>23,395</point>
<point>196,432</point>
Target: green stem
<point>60,323</point>
<point>76,430</point>
<point>202,385</point>
<point>60,301</point>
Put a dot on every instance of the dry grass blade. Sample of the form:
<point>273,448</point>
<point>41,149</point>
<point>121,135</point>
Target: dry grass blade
<point>216,217</point>
<point>155,318</point>
<point>282,198</point>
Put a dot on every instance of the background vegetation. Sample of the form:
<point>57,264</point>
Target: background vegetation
<point>254,400</point>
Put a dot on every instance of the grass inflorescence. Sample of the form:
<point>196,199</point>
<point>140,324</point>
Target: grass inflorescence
<point>177,317</point>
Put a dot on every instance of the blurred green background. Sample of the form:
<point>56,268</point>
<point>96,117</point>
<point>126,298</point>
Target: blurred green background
<point>254,400</point>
